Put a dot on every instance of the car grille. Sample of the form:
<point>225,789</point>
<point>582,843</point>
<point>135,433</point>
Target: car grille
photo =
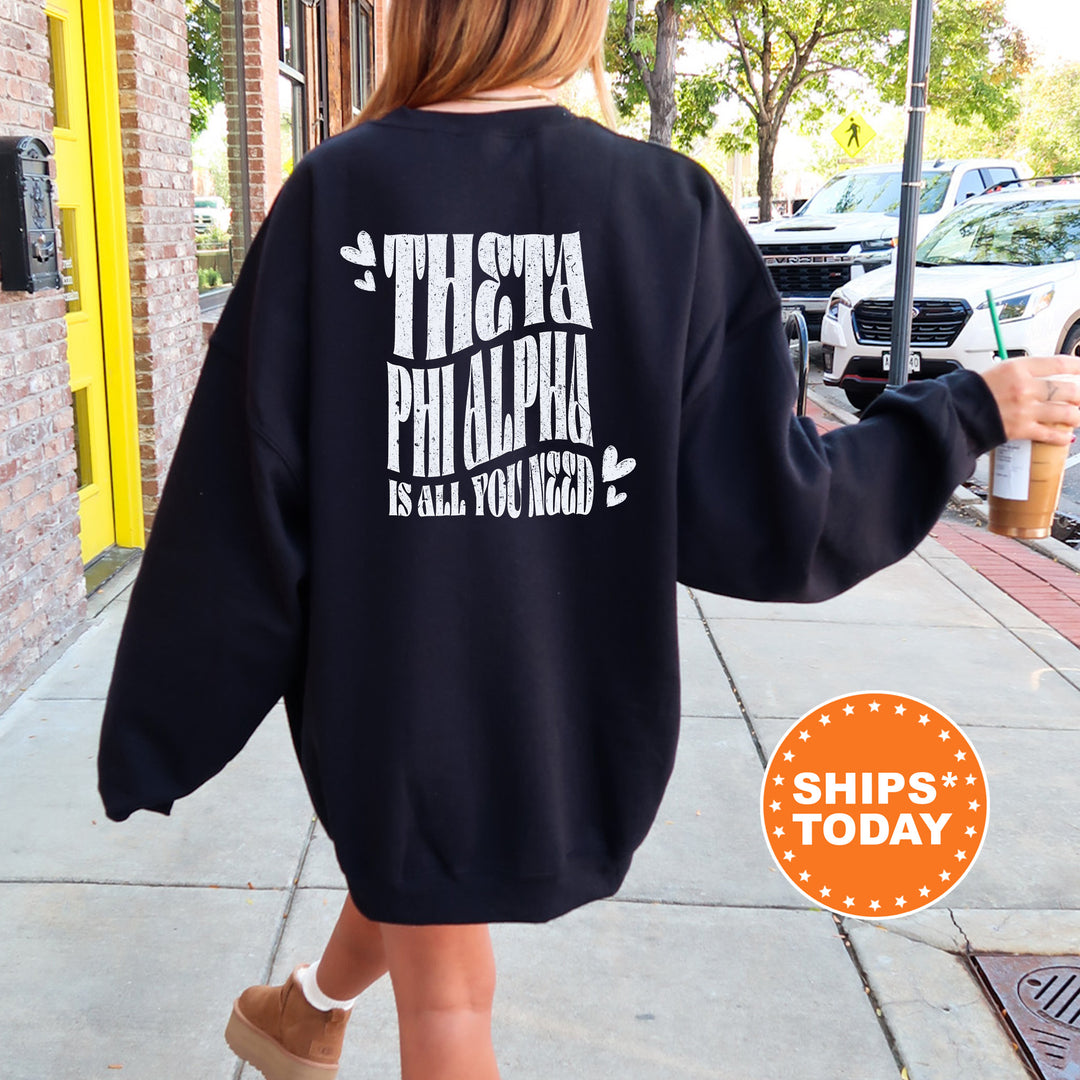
<point>807,249</point>
<point>937,325</point>
<point>809,278</point>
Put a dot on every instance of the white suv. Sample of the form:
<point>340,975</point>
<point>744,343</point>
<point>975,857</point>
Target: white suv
<point>850,226</point>
<point>1022,242</point>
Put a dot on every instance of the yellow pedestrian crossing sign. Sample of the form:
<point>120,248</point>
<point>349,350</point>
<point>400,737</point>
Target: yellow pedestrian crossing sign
<point>853,133</point>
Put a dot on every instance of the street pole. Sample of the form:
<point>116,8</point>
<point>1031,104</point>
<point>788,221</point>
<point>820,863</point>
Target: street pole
<point>922,16</point>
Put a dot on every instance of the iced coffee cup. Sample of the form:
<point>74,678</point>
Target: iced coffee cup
<point>1025,485</point>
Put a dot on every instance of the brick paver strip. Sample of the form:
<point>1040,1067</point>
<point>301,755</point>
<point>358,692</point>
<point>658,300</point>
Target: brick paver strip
<point>1046,588</point>
<point>821,418</point>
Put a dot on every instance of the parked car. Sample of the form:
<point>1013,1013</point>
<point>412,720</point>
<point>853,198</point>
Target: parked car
<point>1022,242</point>
<point>211,213</point>
<point>850,226</point>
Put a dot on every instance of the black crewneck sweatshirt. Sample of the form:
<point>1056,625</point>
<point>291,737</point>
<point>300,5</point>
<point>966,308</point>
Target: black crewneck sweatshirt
<point>487,387</point>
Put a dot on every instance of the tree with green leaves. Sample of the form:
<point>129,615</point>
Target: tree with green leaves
<point>774,54</point>
<point>204,60</point>
<point>1048,129</point>
<point>642,50</point>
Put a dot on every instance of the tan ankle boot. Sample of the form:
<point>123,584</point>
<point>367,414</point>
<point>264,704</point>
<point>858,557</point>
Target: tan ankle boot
<point>275,1029</point>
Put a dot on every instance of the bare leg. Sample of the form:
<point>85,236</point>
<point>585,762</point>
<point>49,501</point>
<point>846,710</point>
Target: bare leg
<point>354,956</point>
<point>444,985</point>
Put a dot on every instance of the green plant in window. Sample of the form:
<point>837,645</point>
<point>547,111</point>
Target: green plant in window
<point>211,240</point>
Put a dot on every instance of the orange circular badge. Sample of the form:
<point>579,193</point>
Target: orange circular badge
<point>874,805</point>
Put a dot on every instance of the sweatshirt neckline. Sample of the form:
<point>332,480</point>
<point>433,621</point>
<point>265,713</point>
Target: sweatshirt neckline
<point>510,121</point>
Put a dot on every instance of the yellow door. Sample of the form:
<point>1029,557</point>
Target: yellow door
<point>86,354</point>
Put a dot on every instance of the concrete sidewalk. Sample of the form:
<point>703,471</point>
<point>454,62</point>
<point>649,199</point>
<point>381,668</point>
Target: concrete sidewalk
<point>125,944</point>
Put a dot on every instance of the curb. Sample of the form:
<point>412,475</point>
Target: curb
<point>964,500</point>
<point>835,411</point>
<point>975,505</point>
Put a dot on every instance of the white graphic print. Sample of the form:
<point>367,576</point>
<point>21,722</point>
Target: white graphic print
<point>507,315</point>
<point>614,469</point>
<point>363,255</point>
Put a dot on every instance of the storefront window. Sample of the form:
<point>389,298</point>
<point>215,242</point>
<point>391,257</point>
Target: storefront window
<point>254,114</point>
<point>361,52</point>
<point>213,211</point>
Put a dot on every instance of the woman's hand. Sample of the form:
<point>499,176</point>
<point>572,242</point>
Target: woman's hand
<point>1032,403</point>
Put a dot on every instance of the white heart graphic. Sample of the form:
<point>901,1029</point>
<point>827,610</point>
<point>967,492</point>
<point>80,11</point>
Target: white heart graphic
<point>362,255</point>
<point>613,468</point>
<point>615,497</point>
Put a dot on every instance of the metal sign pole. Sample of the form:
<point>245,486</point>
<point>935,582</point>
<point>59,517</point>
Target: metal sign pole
<point>922,15</point>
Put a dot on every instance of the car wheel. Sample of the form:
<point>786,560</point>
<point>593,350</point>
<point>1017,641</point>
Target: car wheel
<point>1072,342</point>
<point>861,396</point>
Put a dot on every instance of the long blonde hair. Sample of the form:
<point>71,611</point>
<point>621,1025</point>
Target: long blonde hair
<point>441,50</point>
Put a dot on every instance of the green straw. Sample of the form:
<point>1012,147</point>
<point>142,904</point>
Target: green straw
<point>1002,351</point>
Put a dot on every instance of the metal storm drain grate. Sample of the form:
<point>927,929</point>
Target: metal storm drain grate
<point>1040,998</point>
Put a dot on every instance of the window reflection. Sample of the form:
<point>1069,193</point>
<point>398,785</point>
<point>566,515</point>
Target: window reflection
<point>1028,232</point>
<point>361,52</point>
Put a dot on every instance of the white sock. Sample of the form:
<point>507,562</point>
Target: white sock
<point>306,978</point>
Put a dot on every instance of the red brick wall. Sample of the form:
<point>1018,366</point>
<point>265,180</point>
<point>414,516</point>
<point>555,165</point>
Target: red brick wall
<point>42,595</point>
<point>151,52</point>
<point>379,11</point>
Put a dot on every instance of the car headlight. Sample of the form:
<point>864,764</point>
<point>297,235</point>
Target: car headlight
<point>877,245</point>
<point>1022,305</point>
<point>835,304</point>
<point>875,251</point>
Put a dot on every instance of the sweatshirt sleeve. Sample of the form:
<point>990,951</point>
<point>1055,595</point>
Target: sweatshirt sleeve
<point>768,508</point>
<point>213,632</point>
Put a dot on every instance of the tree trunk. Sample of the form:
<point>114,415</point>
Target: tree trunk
<point>767,136</point>
<point>661,86</point>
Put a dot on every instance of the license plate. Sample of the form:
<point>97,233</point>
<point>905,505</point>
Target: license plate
<point>914,362</point>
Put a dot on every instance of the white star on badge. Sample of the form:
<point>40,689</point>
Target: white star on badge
<point>969,780</point>
<point>778,780</point>
<point>804,876</point>
<point>900,901</point>
<point>778,831</point>
<point>804,735</point>
<point>849,709</point>
<point>874,905</point>
<point>944,735</point>
<point>874,706</point>
<point>823,719</point>
<point>960,855</point>
<point>973,806</point>
<point>944,875</point>
<point>970,830</point>
<point>924,891</point>
<point>899,710</point>
<point>924,719</point>
<point>849,901</point>
<point>788,755</point>
<point>788,856</point>
<point>825,891</point>
<point>774,805</point>
<point>960,755</point>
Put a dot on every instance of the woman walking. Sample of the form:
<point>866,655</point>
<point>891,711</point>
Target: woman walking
<point>492,380</point>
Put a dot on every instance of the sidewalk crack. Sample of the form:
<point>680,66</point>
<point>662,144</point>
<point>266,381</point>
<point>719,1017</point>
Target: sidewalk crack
<point>960,930</point>
<point>747,719</point>
<point>283,923</point>
<point>871,997</point>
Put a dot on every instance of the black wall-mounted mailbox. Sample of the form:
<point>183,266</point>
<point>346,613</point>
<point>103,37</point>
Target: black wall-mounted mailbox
<point>28,255</point>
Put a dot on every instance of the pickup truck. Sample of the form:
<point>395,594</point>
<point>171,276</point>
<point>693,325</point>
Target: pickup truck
<point>850,226</point>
